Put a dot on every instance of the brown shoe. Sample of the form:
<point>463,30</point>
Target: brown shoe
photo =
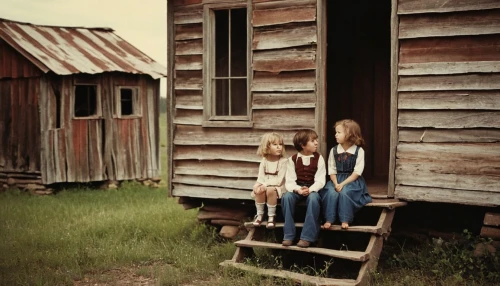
<point>287,243</point>
<point>303,243</point>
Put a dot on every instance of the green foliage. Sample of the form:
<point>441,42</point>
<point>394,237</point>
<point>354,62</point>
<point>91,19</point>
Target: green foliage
<point>443,263</point>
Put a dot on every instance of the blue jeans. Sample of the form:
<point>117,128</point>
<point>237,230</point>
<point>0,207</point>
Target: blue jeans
<point>311,223</point>
<point>344,204</point>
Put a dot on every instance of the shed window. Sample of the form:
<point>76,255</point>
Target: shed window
<point>86,101</point>
<point>226,80</point>
<point>128,102</point>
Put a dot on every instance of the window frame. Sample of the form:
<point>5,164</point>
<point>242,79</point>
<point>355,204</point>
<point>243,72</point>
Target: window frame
<point>209,117</point>
<point>136,102</point>
<point>98,113</point>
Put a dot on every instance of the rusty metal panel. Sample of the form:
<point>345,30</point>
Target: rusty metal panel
<point>69,50</point>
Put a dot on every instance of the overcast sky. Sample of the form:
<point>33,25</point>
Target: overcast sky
<point>140,22</point>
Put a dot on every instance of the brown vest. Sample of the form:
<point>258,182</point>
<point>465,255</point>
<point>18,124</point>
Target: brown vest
<point>305,174</point>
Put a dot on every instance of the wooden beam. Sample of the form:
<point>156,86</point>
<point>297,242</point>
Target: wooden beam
<point>231,153</point>
<point>451,136</point>
<point>436,68</point>
<point>284,37</point>
<point>284,82</point>
<point>449,24</point>
<point>450,82</point>
<point>449,119</point>
<point>217,168</point>
<point>291,14</point>
<point>209,193</point>
<point>290,119</point>
<point>440,6</point>
<point>492,219</point>
<point>452,196</point>
<point>460,99</point>
<point>394,96</point>
<point>283,100</point>
<point>293,59</point>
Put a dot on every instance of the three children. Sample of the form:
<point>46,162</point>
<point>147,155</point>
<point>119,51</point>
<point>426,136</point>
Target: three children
<point>305,174</point>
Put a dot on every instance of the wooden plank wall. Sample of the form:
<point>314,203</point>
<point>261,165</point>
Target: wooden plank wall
<point>218,162</point>
<point>19,127</point>
<point>97,149</point>
<point>449,102</point>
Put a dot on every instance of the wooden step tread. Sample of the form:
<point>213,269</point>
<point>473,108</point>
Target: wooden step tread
<point>386,203</point>
<point>298,277</point>
<point>334,227</point>
<point>350,255</point>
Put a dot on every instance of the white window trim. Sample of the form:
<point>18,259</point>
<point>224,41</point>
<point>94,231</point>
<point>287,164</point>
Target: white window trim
<point>136,105</point>
<point>209,119</point>
<point>98,107</point>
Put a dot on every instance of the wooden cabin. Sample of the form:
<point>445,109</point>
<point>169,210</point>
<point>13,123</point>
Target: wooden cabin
<point>76,105</point>
<point>422,77</point>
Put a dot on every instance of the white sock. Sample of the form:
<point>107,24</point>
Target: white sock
<point>260,208</point>
<point>271,210</point>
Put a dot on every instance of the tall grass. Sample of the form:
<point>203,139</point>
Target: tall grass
<point>61,238</point>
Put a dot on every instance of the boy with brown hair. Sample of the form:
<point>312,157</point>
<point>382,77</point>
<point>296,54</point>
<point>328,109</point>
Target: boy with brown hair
<point>305,177</point>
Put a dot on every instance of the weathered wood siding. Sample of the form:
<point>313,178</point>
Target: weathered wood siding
<point>108,147</point>
<point>449,102</point>
<point>220,162</point>
<point>19,118</point>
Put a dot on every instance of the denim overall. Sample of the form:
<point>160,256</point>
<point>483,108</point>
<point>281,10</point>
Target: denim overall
<point>352,197</point>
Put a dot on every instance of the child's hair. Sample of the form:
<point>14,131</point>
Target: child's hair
<point>302,137</point>
<point>266,141</point>
<point>352,131</point>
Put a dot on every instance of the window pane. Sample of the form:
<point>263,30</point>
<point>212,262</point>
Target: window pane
<point>85,100</point>
<point>221,43</point>
<point>238,42</point>
<point>238,97</point>
<point>126,101</point>
<point>221,97</point>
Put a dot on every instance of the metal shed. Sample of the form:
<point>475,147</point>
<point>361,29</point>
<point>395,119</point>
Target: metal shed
<point>76,105</point>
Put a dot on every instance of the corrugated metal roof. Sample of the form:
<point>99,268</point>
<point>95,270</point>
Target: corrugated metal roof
<point>69,50</point>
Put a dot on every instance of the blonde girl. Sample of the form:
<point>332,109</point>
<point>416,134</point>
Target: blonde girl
<point>348,190</point>
<point>271,179</point>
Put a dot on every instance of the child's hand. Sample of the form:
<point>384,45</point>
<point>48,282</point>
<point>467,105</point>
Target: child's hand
<point>259,189</point>
<point>338,187</point>
<point>304,191</point>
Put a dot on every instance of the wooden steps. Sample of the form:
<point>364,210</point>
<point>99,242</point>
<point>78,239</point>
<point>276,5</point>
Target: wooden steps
<point>367,258</point>
<point>351,255</point>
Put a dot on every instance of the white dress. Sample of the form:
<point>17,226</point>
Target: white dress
<point>272,174</point>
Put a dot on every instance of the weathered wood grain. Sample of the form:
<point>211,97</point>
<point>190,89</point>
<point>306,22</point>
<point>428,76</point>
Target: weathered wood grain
<point>449,24</point>
<point>220,182</point>
<point>218,168</point>
<point>284,37</point>
<point>284,15</point>
<point>446,165</point>
<point>188,99</point>
<point>190,47</point>
<point>284,82</point>
<point>284,119</point>
<point>454,196</point>
<point>188,117</point>
<point>283,100</point>
<point>450,49</point>
<point>450,151</point>
<point>446,135</point>
<point>189,80</point>
<point>267,4</point>
<point>180,190</point>
<point>228,153</point>
<point>189,62</point>
<point>450,82</point>
<point>432,6</point>
<point>196,135</point>
<point>178,3</point>
<point>448,68</point>
<point>284,60</point>
<point>464,182</point>
<point>188,32</point>
<point>191,16</point>
<point>463,99</point>
<point>449,119</point>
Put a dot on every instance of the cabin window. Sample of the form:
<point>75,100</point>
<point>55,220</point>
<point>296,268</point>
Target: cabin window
<point>128,102</point>
<point>86,101</point>
<point>226,78</point>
